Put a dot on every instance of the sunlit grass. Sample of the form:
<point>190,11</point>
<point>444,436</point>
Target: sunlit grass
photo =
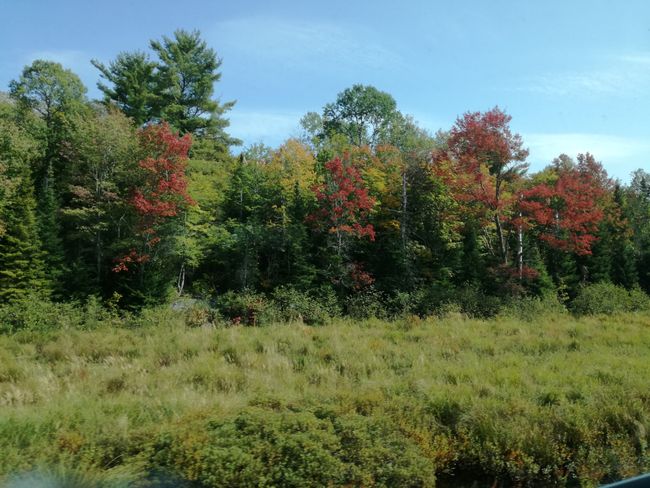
<point>556,400</point>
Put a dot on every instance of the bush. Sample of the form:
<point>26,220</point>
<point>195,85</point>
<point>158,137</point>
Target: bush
<point>473,302</point>
<point>296,449</point>
<point>441,299</point>
<point>606,298</point>
<point>291,305</point>
<point>404,304</point>
<point>196,312</point>
<point>366,304</point>
<point>532,308</point>
<point>35,313</point>
<point>245,308</point>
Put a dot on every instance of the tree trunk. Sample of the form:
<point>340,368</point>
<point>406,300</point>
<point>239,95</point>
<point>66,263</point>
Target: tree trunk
<point>98,252</point>
<point>180,282</point>
<point>502,239</point>
<point>520,249</point>
<point>404,208</point>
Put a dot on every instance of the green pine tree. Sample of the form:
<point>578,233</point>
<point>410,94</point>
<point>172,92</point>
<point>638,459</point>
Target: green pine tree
<point>21,264</point>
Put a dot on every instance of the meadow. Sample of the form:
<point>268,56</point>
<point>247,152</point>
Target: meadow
<point>443,401</point>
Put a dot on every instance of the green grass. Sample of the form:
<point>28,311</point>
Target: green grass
<point>555,401</point>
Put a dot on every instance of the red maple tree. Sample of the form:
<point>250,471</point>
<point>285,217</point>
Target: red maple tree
<point>161,193</point>
<point>482,164</point>
<point>567,211</point>
<point>343,203</point>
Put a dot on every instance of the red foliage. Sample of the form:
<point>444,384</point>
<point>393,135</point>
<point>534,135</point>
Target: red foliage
<point>480,158</point>
<point>360,278</point>
<point>511,280</point>
<point>344,202</point>
<point>133,257</point>
<point>568,211</point>
<point>162,190</point>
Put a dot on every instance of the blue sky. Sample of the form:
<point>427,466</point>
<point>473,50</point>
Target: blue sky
<point>574,75</point>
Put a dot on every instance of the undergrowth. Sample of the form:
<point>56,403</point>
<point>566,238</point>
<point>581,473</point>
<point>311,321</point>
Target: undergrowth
<point>510,401</point>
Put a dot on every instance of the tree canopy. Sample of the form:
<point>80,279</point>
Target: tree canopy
<point>140,198</point>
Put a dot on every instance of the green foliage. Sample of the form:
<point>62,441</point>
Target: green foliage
<point>47,88</point>
<point>531,309</point>
<point>21,258</point>
<point>185,81</point>
<point>292,305</point>
<point>362,113</point>
<point>178,88</point>
<point>245,307</point>
<point>366,304</point>
<point>553,401</point>
<point>55,95</point>
<point>606,298</point>
<point>272,223</point>
<point>132,78</point>
<point>95,214</point>
<point>474,302</point>
<point>32,312</point>
<point>296,449</point>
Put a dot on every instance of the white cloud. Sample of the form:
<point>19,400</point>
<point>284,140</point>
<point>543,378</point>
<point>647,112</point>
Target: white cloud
<point>304,44</point>
<point>429,122</point>
<point>625,75</point>
<point>637,58</point>
<point>619,155</point>
<point>269,127</point>
<point>592,83</point>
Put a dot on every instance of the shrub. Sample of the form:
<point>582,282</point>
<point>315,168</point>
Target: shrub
<point>245,308</point>
<point>35,313</point>
<point>197,313</point>
<point>441,299</point>
<point>296,449</point>
<point>366,304</point>
<point>473,302</point>
<point>291,305</point>
<point>606,298</point>
<point>403,304</point>
<point>532,308</point>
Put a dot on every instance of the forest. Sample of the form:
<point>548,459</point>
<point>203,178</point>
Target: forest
<point>143,197</point>
<point>367,304</point>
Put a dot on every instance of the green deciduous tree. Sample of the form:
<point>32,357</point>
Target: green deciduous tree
<point>48,88</point>
<point>103,151</point>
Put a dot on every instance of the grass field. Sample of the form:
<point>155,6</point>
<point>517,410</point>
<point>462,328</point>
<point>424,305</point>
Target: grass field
<point>446,402</point>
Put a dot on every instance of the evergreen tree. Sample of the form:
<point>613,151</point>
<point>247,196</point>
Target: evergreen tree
<point>623,266</point>
<point>638,212</point>
<point>184,87</point>
<point>55,94</point>
<point>300,271</point>
<point>21,264</point>
<point>131,76</point>
<point>472,263</point>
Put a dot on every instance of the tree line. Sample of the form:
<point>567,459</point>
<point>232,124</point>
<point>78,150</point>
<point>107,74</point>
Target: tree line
<point>140,197</point>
